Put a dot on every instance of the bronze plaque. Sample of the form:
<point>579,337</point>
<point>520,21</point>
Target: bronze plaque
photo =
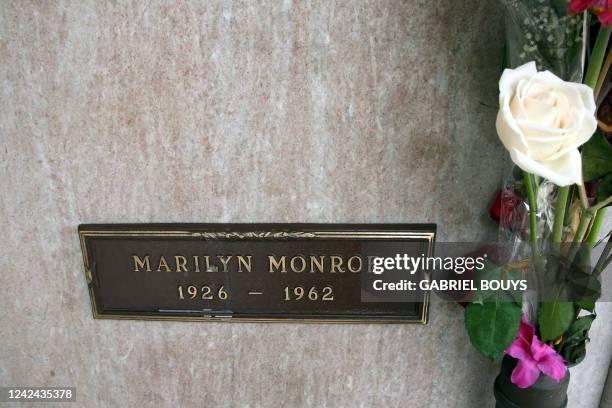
<point>247,272</point>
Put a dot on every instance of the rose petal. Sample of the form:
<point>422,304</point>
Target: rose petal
<point>509,132</point>
<point>540,133</point>
<point>525,374</point>
<point>510,77</point>
<point>586,94</point>
<point>541,112</point>
<point>605,17</point>
<point>510,85</point>
<point>589,126</point>
<point>563,171</point>
<point>578,6</point>
<point>570,144</point>
<point>545,146</point>
<point>516,103</point>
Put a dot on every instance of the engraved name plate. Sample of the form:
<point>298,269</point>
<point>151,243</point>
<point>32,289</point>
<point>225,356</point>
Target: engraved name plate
<point>246,272</point>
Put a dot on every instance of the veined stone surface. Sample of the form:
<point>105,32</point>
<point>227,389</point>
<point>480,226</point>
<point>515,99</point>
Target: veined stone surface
<point>275,111</point>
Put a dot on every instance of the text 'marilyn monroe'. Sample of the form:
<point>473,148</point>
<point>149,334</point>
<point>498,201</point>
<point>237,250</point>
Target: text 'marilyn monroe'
<point>244,263</point>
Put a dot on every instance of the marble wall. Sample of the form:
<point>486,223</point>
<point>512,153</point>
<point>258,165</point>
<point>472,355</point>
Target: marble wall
<point>272,111</point>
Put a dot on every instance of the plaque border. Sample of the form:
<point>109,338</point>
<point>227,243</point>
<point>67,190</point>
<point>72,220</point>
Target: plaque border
<point>274,232</point>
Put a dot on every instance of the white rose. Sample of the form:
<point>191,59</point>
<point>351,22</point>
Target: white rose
<point>542,120</point>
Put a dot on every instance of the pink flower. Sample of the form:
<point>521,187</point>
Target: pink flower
<point>534,358</point>
<point>603,9</point>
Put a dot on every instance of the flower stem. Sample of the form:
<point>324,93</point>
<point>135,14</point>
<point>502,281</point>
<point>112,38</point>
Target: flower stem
<point>583,196</point>
<point>603,74</point>
<point>533,221</point>
<point>590,79</point>
<point>597,57</point>
<point>560,214</point>
<point>597,221</point>
<point>601,204</point>
<point>585,220</point>
<point>533,230</point>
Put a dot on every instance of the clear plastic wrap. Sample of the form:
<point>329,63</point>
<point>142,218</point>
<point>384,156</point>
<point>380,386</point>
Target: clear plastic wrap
<point>542,31</point>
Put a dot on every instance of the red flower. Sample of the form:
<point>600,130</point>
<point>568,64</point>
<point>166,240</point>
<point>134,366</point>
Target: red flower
<point>578,6</point>
<point>605,17</point>
<point>503,209</point>
<point>603,9</point>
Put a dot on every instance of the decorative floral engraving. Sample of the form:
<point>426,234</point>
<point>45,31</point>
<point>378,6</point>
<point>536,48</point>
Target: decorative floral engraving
<point>255,235</point>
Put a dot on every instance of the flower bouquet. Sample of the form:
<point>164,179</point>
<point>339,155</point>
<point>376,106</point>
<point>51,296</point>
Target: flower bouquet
<point>551,211</point>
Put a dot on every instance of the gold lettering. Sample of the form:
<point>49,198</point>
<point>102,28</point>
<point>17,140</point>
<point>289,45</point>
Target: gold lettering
<point>277,264</point>
<point>181,263</point>
<point>140,263</point>
<point>207,266</point>
<point>164,264</point>
<point>336,264</point>
<point>349,263</point>
<point>319,263</point>
<point>294,268</point>
<point>242,262</point>
<point>225,261</point>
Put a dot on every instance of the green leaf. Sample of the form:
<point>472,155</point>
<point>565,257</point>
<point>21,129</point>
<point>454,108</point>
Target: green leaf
<point>493,272</point>
<point>596,158</point>
<point>554,319</point>
<point>492,326</point>
<point>576,337</point>
<point>490,272</point>
<point>604,190</point>
<point>586,305</point>
<point>515,275</point>
<point>574,354</point>
<point>579,330</point>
